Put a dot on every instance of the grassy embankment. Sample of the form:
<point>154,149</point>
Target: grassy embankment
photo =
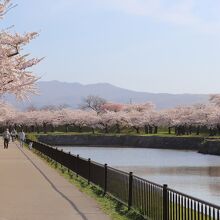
<point>110,206</point>
<point>159,134</point>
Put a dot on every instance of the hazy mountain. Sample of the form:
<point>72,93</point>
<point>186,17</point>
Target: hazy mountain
<point>72,94</point>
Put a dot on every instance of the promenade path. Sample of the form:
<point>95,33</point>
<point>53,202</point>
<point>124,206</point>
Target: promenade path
<point>31,190</point>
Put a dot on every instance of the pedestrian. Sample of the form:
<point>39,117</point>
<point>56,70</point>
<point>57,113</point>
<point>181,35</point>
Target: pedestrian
<point>21,137</point>
<point>13,135</point>
<point>30,145</point>
<point>6,136</point>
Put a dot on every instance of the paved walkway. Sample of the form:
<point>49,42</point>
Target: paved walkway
<point>31,190</point>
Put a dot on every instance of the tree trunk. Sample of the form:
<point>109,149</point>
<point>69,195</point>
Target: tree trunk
<point>32,128</point>
<point>93,130</point>
<point>187,131</point>
<point>215,132</point>
<point>177,130</point>
<point>45,128</point>
<point>218,129</point>
<point>106,129</point>
<point>146,130</point>
<point>118,130</point>
<point>137,130</point>
<point>66,128</point>
<point>80,129</point>
<point>169,130</point>
<point>183,130</point>
<point>155,129</point>
<point>198,130</point>
<point>190,129</point>
<point>211,133</point>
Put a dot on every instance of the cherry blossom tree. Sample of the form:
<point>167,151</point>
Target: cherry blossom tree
<point>199,116</point>
<point>215,99</point>
<point>143,111</point>
<point>7,114</point>
<point>80,119</point>
<point>185,119</point>
<point>142,107</point>
<point>112,107</point>
<point>213,119</point>
<point>94,103</point>
<point>93,121</point>
<point>167,119</point>
<point>135,120</point>
<point>15,76</point>
<point>111,119</point>
<point>44,118</point>
<point>64,118</point>
<point>106,121</point>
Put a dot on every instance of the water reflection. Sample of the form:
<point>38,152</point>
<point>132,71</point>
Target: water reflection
<point>179,171</point>
<point>186,171</point>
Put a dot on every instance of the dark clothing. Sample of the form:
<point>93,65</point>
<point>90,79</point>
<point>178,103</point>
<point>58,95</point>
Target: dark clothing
<point>13,138</point>
<point>6,141</point>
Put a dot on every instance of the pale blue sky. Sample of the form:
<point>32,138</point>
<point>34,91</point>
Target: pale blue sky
<point>146,45</point>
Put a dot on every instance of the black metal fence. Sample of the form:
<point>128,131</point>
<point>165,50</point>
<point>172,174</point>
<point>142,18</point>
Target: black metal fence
<point>181,206</point>
<point>153,201</point>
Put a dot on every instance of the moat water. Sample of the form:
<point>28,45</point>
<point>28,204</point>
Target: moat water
<point>186,171</point>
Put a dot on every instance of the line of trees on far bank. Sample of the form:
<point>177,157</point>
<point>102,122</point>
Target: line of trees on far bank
<point>96,114</point>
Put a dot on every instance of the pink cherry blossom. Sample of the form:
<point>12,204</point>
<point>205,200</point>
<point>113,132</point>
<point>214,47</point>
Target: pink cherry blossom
<point>15,76</point>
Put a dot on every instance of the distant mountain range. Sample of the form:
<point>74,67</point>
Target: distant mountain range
<point>72,94</point>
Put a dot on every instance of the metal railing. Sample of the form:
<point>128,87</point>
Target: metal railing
<point>153,201</point>
<point>182,206</point>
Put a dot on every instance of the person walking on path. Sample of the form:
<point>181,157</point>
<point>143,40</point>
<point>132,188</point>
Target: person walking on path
<point>21,137</point>
<point>13,135</point>
<point>6,136</point>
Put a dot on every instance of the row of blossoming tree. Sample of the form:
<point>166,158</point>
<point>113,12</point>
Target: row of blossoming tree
<point>96,114</point>
<point>108,117</point>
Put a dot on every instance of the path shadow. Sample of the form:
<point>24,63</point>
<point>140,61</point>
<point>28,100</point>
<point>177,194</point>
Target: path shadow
<point>53,186</point>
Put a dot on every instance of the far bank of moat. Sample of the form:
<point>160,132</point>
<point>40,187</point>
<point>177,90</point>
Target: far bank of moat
<point>200,144</point>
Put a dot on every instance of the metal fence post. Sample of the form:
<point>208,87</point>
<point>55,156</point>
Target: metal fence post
<point>77,165</point>
<point>89,170</point>
<point>165,202</point>
<point>130,188</point>
<point>68,165</point>
<point>56,158</point>
<point>61,161</point>
<point>105,178</point>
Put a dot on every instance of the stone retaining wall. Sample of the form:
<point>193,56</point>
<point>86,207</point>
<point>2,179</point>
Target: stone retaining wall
<point>210,147</point>
<point>186,143</point>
